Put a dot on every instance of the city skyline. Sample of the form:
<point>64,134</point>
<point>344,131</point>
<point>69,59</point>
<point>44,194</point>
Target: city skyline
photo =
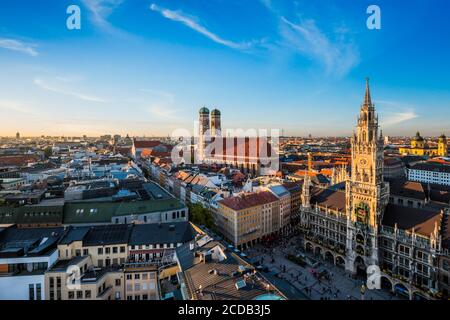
<point>146,68</point>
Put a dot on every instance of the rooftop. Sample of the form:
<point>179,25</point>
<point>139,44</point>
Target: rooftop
<point>248,200</point>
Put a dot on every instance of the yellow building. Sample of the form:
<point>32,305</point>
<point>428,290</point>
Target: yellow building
<point>247,218</point>
<point>419,147</point>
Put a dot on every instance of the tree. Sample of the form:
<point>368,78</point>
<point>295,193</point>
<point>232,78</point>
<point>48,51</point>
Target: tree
<point>48,151</point>
<point>200,215</point>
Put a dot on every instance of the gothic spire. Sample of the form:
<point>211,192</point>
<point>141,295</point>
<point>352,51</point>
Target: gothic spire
<point>367,98</point>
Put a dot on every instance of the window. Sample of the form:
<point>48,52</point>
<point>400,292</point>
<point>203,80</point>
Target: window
<point>85,252</point>
<point>115,249</point>
<point>446,265</point>
<point>144,276</point>
<point>129,277</point>
<point>100,250</point>
<point>38,291</point>
<point>145,297</point>
<point>137,286</point>
<point>107,250</point>
<point>100,263</point>
<point>87,294</point>
<point>122,249</point>
<point>137,276</point>
<point>118,282</point>
<point>31,291</point>
<point>71,295</point>
<point>422,255</point>
<point>79,294</point>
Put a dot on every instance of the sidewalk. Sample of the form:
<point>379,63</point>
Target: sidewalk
<point>339,287</point>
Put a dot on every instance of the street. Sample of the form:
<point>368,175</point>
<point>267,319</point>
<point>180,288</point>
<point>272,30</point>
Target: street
<point>338,286</point>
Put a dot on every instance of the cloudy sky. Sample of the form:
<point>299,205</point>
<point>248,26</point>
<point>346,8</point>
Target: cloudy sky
<point>146,67</point>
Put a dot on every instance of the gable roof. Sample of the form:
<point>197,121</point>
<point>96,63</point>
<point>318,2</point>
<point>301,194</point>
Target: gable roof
<point>333,199</point>
<point>245,200</point>
<point>175,232</point>
<point>422,220</point>
<point>146,143</point>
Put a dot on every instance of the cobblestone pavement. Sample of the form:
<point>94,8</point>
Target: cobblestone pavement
<point>340,286</point>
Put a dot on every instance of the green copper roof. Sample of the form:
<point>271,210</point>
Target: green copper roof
<point>215,112</point>
<point>203,110</point>
<point>103,212</point>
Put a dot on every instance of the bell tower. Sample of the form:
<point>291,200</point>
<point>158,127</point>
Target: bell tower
<point>366,192</point>
<point>442,146</point>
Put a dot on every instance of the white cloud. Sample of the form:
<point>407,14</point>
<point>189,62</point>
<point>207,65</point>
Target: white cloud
<point>337,57</point>
<point>164,95</point>
<point>17,45</point>
<point>162,112</point>
<point>100,11</point>
<point>13,105</point>
<point>393,118</point>
<point>49,87</point>
<point>393,113</point>
<point>194,25</point>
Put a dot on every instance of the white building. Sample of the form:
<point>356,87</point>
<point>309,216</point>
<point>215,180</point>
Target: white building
<point>25,255</point>
<point>430,173</point>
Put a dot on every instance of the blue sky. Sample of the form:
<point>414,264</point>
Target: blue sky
<point>145,67</point>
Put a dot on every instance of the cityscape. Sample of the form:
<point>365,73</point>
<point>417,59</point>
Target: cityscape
<point>259,201</point>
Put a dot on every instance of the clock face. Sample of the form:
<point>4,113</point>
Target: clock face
<point>363,162</point>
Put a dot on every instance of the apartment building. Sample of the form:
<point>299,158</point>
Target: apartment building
<point>106,244</point>
<point>25,256</point>
<point>79,279</point>
<point>430,173</point>
<point>141,282</point>
<point>248,217</point>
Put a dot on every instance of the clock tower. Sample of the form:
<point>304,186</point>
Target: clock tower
<point>366,192</point>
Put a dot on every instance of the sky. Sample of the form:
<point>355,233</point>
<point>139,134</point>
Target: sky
<point>142,67</point>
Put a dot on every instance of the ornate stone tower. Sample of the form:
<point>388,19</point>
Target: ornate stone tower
<point>366,192</point>
<point>204,131</point>
<point>215,123</point>
<point>442,146</point>
<point>306,192</point>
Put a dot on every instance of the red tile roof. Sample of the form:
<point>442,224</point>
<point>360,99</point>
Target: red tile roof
<point>243,148</point>
<point>146,143</point>
<point>248,200</point>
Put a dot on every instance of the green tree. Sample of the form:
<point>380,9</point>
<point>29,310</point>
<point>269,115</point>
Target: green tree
<point>200,215</point>
<point>48,152</point>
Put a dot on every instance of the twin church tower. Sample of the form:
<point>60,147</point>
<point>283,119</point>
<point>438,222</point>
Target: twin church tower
<point>209,124</point>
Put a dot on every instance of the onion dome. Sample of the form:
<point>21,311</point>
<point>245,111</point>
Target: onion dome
<point>215,112</point>
<point>204,110</point>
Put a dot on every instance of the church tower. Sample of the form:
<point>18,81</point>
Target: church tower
<point>442,146</point>
<point>204,131</point>
<point>215,123</point>
<point>366,192</point>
